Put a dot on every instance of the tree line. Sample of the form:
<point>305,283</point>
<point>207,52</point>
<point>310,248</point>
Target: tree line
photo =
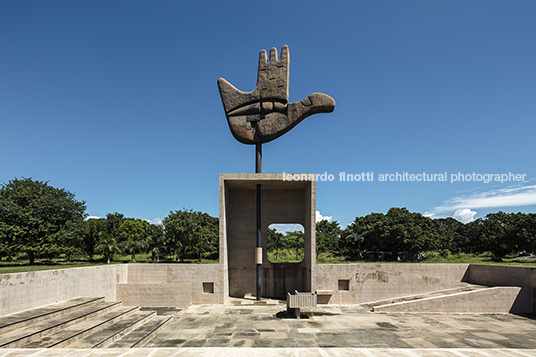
<point>277,241</point>
<point>400,230</point>
<point>41,221</point>
<point>45,222</point>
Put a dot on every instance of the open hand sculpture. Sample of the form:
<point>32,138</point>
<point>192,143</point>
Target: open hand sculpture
<point>265,113</point>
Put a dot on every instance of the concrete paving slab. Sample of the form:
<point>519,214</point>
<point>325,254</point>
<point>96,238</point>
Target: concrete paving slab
<point>264,329</point>
<point>262,352</point>
<point>266,325</point>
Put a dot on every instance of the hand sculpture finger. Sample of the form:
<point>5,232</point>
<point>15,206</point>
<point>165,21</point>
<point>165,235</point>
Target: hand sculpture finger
<point>262,58</point>
<point>273,54</point>
<point>272,77</point>
<point>284,58</point>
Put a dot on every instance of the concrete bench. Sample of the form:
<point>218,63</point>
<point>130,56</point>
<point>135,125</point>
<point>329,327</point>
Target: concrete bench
<point>323,296</point>
<point>299,300</point>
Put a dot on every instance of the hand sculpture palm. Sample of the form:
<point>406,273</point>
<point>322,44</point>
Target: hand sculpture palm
<point>265,113</point>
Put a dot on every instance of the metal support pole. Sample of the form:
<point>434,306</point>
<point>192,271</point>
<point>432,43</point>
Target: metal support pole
<point>259,245</point>
<point>258,158</point>
<point>258,252</point>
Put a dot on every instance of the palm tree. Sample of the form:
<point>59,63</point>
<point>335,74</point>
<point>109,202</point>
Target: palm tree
<point>107,246</point>
<point>156,242</point>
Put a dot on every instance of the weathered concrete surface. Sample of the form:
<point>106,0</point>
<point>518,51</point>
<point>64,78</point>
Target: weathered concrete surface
<point>82,323</point>
<point>21,291</point>
<point>504,299</point>
<point>249,327</point>
<point>44,329</point>
<point>261,352</point>
<point>179,282</point>
<point>282,202</point>
<point>28,317</point>
<point>372,282</point>
<point>454,272</point>
<point>136,284</point>
<point>182,284</point>
<point>502,275</point>
<point>263,324</point>
<point>155,295</point>
<point>499,275</point>
<point>265,114</point>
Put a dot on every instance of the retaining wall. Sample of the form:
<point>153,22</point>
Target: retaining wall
<point>185,284</point>
<point>365,282</point>
<point>499,275</point>
<point>172,285</point>
<point>21,291</point>
<point>135,284</point>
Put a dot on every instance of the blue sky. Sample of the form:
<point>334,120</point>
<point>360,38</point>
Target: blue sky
<point>117,101</point>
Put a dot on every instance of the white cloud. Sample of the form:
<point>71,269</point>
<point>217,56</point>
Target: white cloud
<point>93,217</point>
<point>463,206</point>
<point>504,197</point>
<point>284,228</point>
<point>156,221</point>
<point>319,217</point>
<point>464,215</point>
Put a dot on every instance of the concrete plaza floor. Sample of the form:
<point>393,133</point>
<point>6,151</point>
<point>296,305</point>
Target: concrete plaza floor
<point>265,324</point>
<point>250,328</point>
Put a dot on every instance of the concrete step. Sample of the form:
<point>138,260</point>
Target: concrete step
<point>470,287</point>
<point>112,333</point>
<point>75,332</point>
<point>33,332</point>
<point>141,335</point>
<point>28,317</point>
<point>498,299</point>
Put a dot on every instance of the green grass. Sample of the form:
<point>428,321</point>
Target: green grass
<point>285,256</point>
<point>437,258</point>
<point>466,258</point>
<point>328,258</point>
<point>21,264</point>
<point>8,269</point>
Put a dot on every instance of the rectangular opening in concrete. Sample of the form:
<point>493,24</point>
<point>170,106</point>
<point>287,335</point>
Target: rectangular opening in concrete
<point>287,238</point>
<point>208,288</point>
<point>344,284</point>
